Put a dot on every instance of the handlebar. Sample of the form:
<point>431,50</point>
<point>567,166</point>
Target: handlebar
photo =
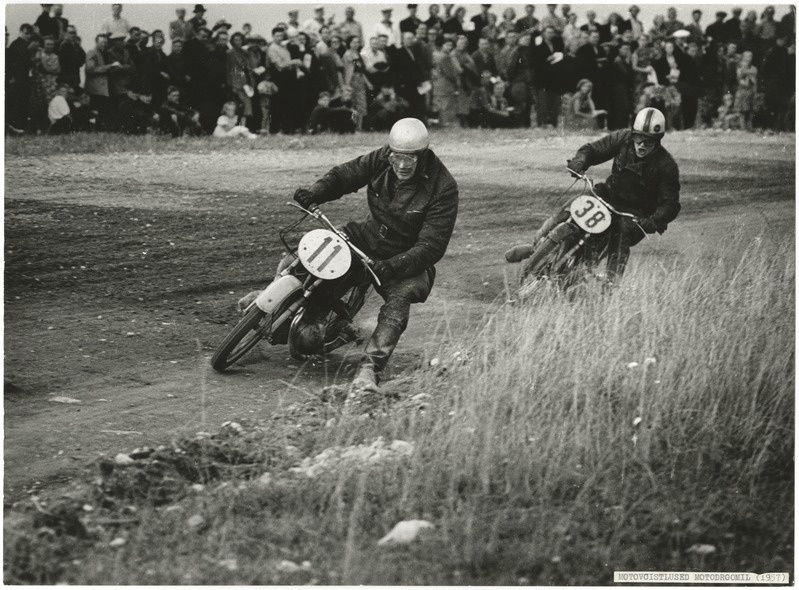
<point>590,182</point>
<point>315,212</point>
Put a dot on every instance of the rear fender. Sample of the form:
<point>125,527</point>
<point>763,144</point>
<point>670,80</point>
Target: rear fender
<point>280,289</point>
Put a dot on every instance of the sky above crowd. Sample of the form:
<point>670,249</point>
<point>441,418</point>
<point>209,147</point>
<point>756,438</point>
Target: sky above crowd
<point>88,17</point>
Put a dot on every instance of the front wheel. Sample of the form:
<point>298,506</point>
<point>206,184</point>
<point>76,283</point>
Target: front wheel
<point>247,333</point>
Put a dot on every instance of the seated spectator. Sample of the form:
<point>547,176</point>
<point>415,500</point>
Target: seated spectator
<point>728,118</point>
<point>324,117</point>
<point>58,112</point>
<point>84,117</point>
<point>229,124</point>
<point>386,109</point>
<point>176,118</point>
<point>582,114</point>
<point>496,112</point>
<point>136,113</point>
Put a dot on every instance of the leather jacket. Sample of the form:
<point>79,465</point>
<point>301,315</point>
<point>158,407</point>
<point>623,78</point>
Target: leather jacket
<point>648,187</point>
<point>410,222</point>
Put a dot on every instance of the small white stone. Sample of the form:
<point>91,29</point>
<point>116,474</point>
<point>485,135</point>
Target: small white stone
<point>118,542</point>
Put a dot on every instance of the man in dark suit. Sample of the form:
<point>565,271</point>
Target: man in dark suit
<point>435,21</point>
<point>484,57</point>
<point>592,63</point>
<point>733,25</point>
<point>528,23</point>
<point>18,85</point>
<point>717,32</point>
<point>547,53</point>
<point>480,21</point>
<point>410,24</point>
<point>408,72</point>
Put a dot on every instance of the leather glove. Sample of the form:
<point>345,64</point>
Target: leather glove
<point>383,270</point>
<point>575,165</point>
<point>305,198</point>
<point>648,225</point>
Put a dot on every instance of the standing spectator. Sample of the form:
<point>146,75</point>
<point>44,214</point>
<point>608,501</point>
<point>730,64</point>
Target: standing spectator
<point>747,89</point>
<point>553,20</point>
<point>229,125</point>
<point>633,24</point>
<point>484,58</point>
<point>294,20</point>
<point>155,69</point>
<point>120,74</point>
<point>592,63</point>
<point>507,24</point>
<point>469,80</point>
<point>547,76</point>
<point>181,28</point>
<point>672,24</point>
<point>198,20</point>
<point>788,24</point>
<point>330,63</point>
<point>453,26</point>
<point>528,23</point>
<point>46,68</point>
<point>240,75</point>
<point>376,62</point>
<point>434,21</point>
<point>97,79</point>
<point>749,40</point>
<point>733,25</point>
<point>176,68</point>
<point>217,91</point>
<point>690,85</point>
<point>386,27</point>
<point>658,31</point>
<point>355,78</point>
<point>132,45</point>
<point>410,24</point>
<point>520,79</point>
<point>350,27</point>
<point>591,24</point>
<point>621,90</point>
<point>308,83</point>
<point>313,25</point>
<point>777,70</point>
<point>18,69</point>
<point>407,67</point>
<point>176,118</point>
<point>284,75</point>
<point>766,29</point>
<point>612,31</point>
<point>716,33</point>
<point>695,28</point>
<point>668,68</point>
<point>116,25</point>
<point>713,83</point>
<point>506,54</point>
<point>46,25</point>
<point>479,22</point>
<point>571,35</point>
<point>642,60</point>
<point>730,68</point>
<point>196,52</point>
<point>446,84</point>
<point>61,23</point>
<point>71,57</point>
<point>491,32</point>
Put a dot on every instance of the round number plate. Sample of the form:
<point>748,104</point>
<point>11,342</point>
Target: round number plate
<point>324,254</point>
<point>590,214</point>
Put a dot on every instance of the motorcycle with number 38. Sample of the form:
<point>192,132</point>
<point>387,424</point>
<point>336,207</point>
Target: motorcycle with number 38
<point>573,248</point>
<point>320,286</point>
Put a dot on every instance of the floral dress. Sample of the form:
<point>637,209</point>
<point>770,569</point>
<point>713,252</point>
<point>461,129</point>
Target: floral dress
<point>355,77</point>
<point>747,88</point>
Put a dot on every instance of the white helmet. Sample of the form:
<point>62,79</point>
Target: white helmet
<point>650,122</point>
<point>408,136</point>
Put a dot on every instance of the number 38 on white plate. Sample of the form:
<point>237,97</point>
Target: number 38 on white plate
<point>590,214</point>
<point>324,254</point>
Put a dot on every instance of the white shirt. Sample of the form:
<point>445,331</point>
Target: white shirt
<point>392,32</point>
<point>312,26</point>
<point>58,108</point>
<point>112,25</point>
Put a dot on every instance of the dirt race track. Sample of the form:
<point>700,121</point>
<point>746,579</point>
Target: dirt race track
<point>122,271</point>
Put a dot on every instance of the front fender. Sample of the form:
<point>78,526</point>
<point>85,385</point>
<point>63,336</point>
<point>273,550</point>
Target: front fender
<point>563,231</point>
<point>280,289</point>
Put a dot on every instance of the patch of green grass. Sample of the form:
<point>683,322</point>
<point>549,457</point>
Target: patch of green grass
<point>543,456</point>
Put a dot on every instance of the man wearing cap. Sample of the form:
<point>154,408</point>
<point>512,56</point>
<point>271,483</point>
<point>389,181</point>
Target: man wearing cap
<point>198,21</point>
<point>349,27</point>
<point>695,29</point>
<point>312,25</point>
<point>386,27</point>
<point>733,25</point>
<point>115,25</point>
<point>413,204</point>
<point>717,32</point>
<point>410,24</point>
<point>294,19</point>
<point>180,28</point>
<point>221,25</point>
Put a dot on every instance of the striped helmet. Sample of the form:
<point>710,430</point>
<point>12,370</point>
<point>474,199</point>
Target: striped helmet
<point>650,122</point>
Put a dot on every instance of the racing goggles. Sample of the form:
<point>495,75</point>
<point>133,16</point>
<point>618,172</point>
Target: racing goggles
<point>644,142</point>
<point>402,160</point>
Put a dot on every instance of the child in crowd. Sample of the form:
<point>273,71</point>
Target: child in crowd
<point>177,119</point>
<point>228,123</point>
<point>728,117</point>
<point>328,118</point>
<point>58,111</point>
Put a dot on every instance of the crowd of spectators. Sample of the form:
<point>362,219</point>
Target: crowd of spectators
<point>581,72</point>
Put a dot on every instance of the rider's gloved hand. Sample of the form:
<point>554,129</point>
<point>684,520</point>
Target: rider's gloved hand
<point>574,166</point>
<point>305,198</point>
<point>383,270</point>
<point>648,225</point>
